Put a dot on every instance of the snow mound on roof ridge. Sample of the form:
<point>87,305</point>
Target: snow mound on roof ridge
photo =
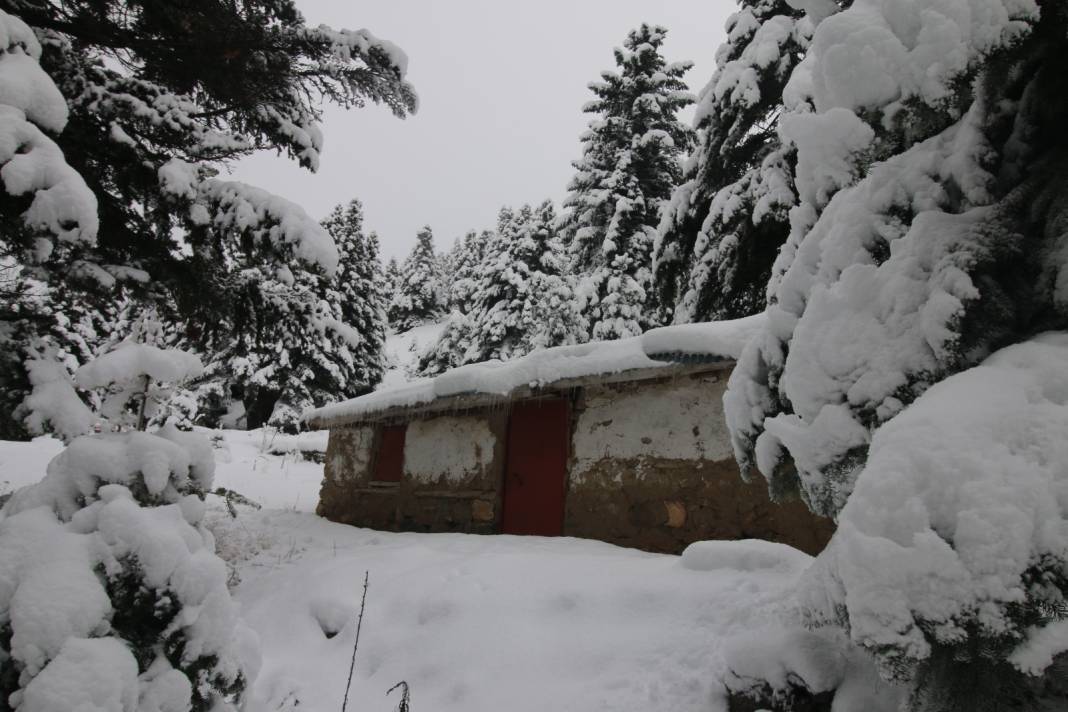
<point>654,349</point>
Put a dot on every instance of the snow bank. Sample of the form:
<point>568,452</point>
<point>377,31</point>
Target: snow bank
<point>657,348</point>
<point>744,555</point>
<point>270,468</point>
<point>959,516</point>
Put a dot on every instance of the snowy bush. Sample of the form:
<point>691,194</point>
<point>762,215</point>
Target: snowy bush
<point>111,596</point>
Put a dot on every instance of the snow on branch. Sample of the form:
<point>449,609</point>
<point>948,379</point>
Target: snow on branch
<point>62,205</point>
<point>53,404</point>
<point>231,206</point>
<point>132,361</point>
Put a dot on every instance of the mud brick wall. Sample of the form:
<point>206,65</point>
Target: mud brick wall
<point>453,468</point>
<point>651,468</point>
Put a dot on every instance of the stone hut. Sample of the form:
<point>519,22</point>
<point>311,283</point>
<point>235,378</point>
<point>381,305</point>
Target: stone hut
<point>621,441</point>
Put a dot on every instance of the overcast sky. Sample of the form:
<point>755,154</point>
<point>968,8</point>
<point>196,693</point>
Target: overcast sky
<point>501,86</point>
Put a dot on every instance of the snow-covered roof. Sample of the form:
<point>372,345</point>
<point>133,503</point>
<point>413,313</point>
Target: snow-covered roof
<point>665,347</point>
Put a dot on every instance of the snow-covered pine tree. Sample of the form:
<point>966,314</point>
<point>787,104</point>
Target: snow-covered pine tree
<point>359,289</point>
<point>151,123</point>
<point>290,350</point>
<point>630,165</point>
<point>725,223</point>
<point>458,336</point>
<point>419,297</point>
<point>392,276</point>
<point>549,312</point>
<point>521,298</point>
<point>467,255</point>
<point>931,172</point>
<point>450,348</point>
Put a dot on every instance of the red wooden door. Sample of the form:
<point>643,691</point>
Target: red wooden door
<point>389,465</point>
<point>538,438</point>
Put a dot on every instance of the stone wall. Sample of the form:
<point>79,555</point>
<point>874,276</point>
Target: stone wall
<point>651,468</point>
<point>453,467</point>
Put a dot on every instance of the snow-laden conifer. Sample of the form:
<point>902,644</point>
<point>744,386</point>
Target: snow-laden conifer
<point>725,223</point>
<point>931,193</point>
<point>419,295</point>
<point>629,166</point>
<point>521,297</point>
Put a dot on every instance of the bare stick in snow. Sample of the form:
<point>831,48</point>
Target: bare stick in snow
<point>355,645</point>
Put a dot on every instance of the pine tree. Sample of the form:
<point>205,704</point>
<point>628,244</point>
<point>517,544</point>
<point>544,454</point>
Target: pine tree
<point>149,126</point>
<point>419,296</point>
<point>726,222</point>
<point>359,289</point>
<point>630,165</point>
<point>467,255</point>
<point>521,299</point>
<point>392,277</point>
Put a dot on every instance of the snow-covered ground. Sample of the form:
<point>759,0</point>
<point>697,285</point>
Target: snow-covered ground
<point>470,622</point>
<point>487,623</point>
<point>403,351</point>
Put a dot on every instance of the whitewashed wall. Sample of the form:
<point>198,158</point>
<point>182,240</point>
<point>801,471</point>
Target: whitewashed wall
<point>678,420</point>
<point>456,447</point>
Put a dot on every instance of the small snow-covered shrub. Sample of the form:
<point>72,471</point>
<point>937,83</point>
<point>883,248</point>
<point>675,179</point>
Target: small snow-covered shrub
<point>111,594</point>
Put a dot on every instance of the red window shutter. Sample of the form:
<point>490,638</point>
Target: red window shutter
<point>389,465</point>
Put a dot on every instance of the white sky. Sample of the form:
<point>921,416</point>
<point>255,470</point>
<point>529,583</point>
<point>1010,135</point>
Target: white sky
<point>501,86</point>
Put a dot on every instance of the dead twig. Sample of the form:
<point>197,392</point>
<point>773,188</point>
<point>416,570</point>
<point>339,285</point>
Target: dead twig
<point>405,703</point>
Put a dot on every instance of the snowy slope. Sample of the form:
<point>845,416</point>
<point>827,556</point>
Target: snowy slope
<point>403,351</point>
